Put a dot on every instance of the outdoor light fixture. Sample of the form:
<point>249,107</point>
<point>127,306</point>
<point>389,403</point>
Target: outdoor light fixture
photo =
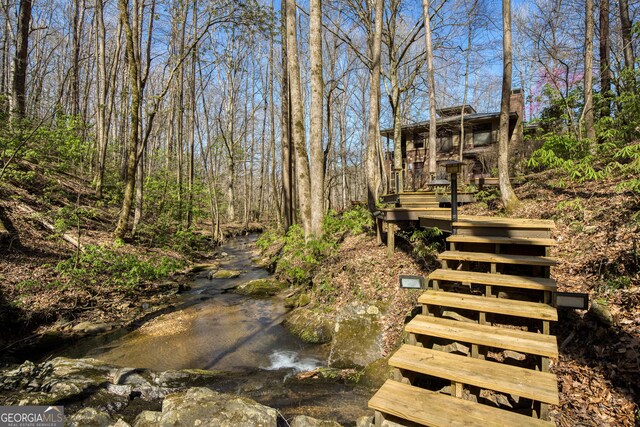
<point>411,282</point>
<point>453,167</point>
<point>571,300</point>
<point>439,183</point>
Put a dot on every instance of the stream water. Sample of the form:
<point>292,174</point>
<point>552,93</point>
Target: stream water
<point>217,329</point>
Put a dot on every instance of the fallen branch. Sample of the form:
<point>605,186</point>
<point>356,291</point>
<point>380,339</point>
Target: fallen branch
<point>36,217</point>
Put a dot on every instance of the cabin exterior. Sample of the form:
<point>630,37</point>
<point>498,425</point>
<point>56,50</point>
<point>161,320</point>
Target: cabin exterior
<point>479,151</point>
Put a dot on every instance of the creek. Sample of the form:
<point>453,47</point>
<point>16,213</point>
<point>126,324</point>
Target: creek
<point>214,328</point>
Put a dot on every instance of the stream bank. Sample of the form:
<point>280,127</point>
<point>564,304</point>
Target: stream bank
<point>212,338</point>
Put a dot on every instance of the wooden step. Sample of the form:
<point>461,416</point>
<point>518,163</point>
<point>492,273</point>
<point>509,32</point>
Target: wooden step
<point>435,409</point>
<point>505,280</point>
<point>419,205</point>
<point>498,258</point>
<point>406,214</point>
<point>490,336</point>
<point>527,383</point>
<point>498,222</point>
<point>500,240</point>
<point>532,310</point>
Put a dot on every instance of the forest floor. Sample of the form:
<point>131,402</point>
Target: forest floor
<point>43,305</point>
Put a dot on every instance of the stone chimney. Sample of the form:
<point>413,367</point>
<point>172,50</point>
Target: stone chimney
<point>517,102</point>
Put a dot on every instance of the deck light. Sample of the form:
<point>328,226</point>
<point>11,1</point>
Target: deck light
<point>576,300</point>
<point>411,282</point>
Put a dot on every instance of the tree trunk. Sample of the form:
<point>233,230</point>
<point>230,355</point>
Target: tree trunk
<point>192,133</point>
<point>76,31</point>
<point>316,125</point>
<point>627,41</point>
<point>287,149</point>
<point>432,90</point>
<point>297,120</point>
<point>373,170</point>
<point>509,198</point>
<point>20,61</point>
<point>134,136</point>
<point>101,92</point>
<point>466,77</point>
<point>588,72</point>
<point>272,128</point>
<point>605,67</point>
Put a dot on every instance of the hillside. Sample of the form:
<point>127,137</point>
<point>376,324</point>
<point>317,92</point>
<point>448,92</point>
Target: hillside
<point>61,266</point>
<point>598,228</point>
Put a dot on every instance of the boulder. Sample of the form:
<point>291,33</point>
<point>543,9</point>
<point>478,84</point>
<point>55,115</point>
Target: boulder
<point>356,338</point>
<point>147,419</point>
<point>225,274</point>
<point>89,417</point>
<point>376,373</point>
<point>305,421</point>
<point>260,287</point>
<point>204,407</point>
<point>309,325</point>
<point>91,328</point>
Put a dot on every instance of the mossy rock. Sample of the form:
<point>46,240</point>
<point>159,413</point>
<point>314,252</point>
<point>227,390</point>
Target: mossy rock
<point>310,326</point>
<point>261,288</point>
<point>356,342</point>
<point>226,274</point>
<point>197,268</point>
<point>376,373</point>
<point>296,301</point>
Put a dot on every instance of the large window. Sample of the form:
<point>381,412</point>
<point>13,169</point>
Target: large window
<point>444,141</point>
<point>482,135</point>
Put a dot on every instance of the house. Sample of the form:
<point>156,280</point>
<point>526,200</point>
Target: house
<point>479,151</point>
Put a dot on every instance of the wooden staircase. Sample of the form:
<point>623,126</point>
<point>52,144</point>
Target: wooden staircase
<point>479,352</point>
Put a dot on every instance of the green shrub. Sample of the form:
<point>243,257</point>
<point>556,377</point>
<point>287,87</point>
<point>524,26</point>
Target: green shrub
<point>355,221</point>
<point>114,268</point>
<point>299,260</point>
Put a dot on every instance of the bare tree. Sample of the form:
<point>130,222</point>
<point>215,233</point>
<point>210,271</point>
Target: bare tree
<point>373,140</point>
<point>605,51</point>
<point>509,198</point>
<point>588,72</point>
<point>287,149</point>
<point>627,42</point>
<point>315,132</point>
<point>21,60</point>
<point>297,120</point>
<point>432,89</point>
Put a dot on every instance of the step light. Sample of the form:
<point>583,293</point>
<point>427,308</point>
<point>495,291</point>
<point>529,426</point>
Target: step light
<point>411,282</point>
<point>574,300</point>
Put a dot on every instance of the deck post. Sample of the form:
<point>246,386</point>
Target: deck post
<point>391,238</point>
<point>378,230</point>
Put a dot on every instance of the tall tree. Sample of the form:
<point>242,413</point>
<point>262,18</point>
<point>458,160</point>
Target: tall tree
<point>398,49</point>
<point>373,140</point>
<point>286,146</point>
<point>588,72</point>
<point>297,120</point>
<point>432,89</point>
<point>605,67</point>
<point>21,60</point>
<point>509,198</point>
<point>627,41</point>
<point>315,132</point>
<point>467,60</point>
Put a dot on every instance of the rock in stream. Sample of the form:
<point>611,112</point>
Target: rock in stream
<point>97,394</point>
